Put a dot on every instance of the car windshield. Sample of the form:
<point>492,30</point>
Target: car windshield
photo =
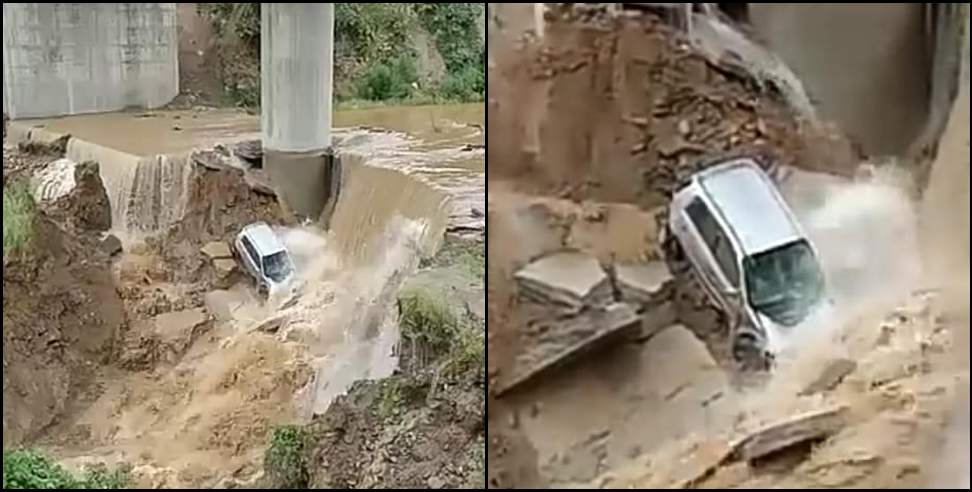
<point>784,283</point>
<point>277,266</point>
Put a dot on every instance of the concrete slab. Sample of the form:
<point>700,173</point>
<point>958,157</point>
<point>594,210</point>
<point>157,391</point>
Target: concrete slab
<point>216,250</point>
<point>224,266</point>
<point>569,279</point>
<point>642,283</point>
<point>557,342</point>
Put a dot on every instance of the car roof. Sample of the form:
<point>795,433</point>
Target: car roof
<point>263,238</point>
<point>749,202</point>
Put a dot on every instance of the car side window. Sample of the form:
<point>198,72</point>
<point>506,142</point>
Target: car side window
<point>715,238</point>
<point>250,250</point>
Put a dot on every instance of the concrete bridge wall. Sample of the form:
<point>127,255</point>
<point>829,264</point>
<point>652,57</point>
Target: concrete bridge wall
<point>73,58</point>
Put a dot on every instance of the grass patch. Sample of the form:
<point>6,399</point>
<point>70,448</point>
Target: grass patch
<point>285,460</point>
<point>28,469</point>
<point>18,218</point>
<point>429,322</point>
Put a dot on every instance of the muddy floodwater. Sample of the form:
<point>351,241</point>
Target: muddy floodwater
<point>443,144</point>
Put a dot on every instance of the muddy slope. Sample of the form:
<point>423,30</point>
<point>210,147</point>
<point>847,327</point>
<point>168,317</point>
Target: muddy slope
<point>61,312</point>
<point>423,427</point>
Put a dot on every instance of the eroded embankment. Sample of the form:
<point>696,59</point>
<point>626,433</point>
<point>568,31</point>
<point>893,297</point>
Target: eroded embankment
<point>200,370</point>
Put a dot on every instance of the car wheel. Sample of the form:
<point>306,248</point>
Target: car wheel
<point>748,352</point>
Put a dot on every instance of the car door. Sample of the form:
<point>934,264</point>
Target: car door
<point>716,257</point>
<point>252,258</point>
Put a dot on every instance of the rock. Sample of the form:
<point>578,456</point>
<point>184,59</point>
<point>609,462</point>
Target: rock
<point>811,426</point>
<point>834,372</point>
<point>217,250</point>
<point>110,245</point>
<point>656,318</point>
<point>477,213</point>
<point>569,279</point>
<point>224,266</point>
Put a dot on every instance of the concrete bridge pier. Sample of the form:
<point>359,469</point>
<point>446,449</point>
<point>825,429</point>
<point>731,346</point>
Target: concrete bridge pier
<point>297,58</point>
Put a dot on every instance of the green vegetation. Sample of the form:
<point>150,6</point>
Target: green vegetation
<point>26,469</point>
<point>285,460</point>
<point>397,392</point>
<point>429,321</point>
<point>18,217</point>
<point>376,52</point>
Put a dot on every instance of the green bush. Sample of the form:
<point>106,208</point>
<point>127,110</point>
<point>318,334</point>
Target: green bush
<point>428,320</point>
<point>389,81</point>
<point>466,85</point>
<point>286,460</point>
<point>18,217</point>
<point>26,469</point>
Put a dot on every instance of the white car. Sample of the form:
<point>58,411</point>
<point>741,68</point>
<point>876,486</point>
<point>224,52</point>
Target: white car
<point>264,257</point>
<point>732,229</point>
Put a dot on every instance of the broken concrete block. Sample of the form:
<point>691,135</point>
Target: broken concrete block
<point>224,266</point>
<point>811,426</point>
<point>216,250</point>
<point>642,283</point>
<point>569,279</point>
<point>556,342</point>
<point>834,372</point>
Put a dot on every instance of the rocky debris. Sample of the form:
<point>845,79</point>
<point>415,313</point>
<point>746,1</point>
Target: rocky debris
<point>656,318</point>
<point>272,324</point>
<point>642,283</point>
<point>811,426</point>
<point>552,342</point>
<point>217,250</point>
<point>570,280</point>
<point>110,245</point>
<point>833,373</point>
<point>163,339</point>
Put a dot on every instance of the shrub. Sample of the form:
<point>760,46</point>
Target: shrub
<point>285,460</point>
<point>389,81</point>
<point>28,469</point>
<point>18,217</point>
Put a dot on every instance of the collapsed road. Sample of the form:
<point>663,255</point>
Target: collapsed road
<point>602,381</point>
